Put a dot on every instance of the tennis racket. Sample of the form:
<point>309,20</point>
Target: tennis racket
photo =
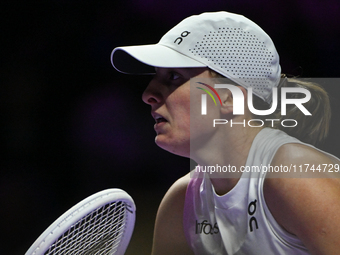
<point>100,224</point>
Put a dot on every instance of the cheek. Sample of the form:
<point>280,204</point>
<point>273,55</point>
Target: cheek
<point>199,120</point>
<point>180,107</point>
<point>183,118</point>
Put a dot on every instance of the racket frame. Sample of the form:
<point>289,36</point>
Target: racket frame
<point>81,210</point>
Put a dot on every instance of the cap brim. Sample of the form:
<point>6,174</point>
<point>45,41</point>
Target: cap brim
<point>143,58</point>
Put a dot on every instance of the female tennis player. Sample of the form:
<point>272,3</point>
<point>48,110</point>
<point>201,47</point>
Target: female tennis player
<point>223,206</point>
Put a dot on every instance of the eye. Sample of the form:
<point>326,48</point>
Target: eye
<point>173,76</point>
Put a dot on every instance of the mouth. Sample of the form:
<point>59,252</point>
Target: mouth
<point>159,118</point>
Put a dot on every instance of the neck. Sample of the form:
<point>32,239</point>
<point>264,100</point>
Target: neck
<point>228,148</point>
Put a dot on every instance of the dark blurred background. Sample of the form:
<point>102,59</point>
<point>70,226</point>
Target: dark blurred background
<point>71,125</point>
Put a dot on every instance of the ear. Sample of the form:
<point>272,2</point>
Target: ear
<point>245,95</point>
<point>227,100</point>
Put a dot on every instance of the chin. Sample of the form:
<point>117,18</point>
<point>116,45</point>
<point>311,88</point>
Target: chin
<point>177,149</point>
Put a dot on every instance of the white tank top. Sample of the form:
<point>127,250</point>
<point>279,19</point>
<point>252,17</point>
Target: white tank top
<point>239,222</point>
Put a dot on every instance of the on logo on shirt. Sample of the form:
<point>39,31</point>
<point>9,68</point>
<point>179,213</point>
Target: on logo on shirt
<point>251,212</point>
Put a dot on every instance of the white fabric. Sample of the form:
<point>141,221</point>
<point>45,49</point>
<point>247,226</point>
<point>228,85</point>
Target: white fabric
<point>159,56</point>
<point>227,43</point>
<point>242,229</point>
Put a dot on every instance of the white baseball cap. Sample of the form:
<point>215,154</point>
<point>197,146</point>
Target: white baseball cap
<point>228,43</point>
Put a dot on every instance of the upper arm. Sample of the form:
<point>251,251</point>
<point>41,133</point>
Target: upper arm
<point>169,235</point>
<point>306,207</point>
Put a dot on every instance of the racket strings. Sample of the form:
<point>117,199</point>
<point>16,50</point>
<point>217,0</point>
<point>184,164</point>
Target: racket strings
<point>98,233</point>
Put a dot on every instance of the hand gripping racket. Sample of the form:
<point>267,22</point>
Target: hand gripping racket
<point>100,224</point>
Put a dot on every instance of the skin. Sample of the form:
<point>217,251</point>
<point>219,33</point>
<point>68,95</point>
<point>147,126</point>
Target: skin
<point>306,207</point>
<point>300,205</point>
<point>168,94</point>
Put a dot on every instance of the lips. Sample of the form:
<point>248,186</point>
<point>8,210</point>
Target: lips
<point>159,118</point>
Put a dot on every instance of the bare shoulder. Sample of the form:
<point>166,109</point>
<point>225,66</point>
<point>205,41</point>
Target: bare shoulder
<point>306,207</point>
<point>175,196</point>
<point>299,153</point>
<point>169,235</point>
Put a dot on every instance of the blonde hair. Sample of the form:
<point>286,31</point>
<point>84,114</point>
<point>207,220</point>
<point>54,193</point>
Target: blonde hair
<point>312,129</point>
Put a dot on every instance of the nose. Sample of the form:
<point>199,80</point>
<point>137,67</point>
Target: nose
<point>152,94</point>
